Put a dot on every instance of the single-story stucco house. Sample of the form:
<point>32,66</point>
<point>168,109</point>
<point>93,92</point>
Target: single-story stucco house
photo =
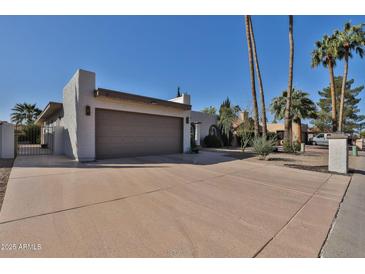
<point>279,128</point>
<point>97,123</point>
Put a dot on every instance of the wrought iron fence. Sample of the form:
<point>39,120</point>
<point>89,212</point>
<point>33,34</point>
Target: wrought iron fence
<point>34,140</point>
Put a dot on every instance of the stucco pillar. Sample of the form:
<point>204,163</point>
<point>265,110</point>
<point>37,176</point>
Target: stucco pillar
<point>7,148</point>
<point>79,127</point>
<point>197,134</point>
<point>338,158</point>
<point>58,142</point>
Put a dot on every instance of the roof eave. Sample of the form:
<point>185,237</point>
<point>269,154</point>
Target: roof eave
<point>101,92</point>
<point>45,113</point>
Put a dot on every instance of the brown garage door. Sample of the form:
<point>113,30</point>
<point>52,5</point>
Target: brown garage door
<point>127,134</point>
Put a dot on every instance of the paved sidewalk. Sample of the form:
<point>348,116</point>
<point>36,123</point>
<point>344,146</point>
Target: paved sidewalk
<point>347,237</point>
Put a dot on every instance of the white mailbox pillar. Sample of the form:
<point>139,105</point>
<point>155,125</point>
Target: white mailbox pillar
<point>338,158</point>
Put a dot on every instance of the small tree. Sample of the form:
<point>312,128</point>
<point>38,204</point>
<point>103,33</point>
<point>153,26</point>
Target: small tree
<point>245,133</point>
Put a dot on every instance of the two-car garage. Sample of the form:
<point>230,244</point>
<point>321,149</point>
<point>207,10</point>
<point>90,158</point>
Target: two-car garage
<point>128,134</point>
<point>97,123</point>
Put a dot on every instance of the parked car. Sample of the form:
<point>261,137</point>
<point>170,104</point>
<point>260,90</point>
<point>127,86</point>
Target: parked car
<point>321,139</point>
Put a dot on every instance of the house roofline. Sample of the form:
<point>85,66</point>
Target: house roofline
<point>49,110</point>
<point>101,92</point>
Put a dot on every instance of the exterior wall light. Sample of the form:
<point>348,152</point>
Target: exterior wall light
<point>88,111</point>
<point>187,120</point>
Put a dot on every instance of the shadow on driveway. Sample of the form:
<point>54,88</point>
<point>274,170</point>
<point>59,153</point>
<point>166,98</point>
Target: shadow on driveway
<point>155,161</point>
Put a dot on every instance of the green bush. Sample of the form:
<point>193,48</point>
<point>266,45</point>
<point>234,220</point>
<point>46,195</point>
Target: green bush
<point>291,148</point>
<point>287,147</point>
<point>296,146</point>
<point>272,136</point>
<point>263,147</point>
<point>212,141</point>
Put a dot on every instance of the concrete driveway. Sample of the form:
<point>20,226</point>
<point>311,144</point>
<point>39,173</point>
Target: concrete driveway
<point>205,205</point>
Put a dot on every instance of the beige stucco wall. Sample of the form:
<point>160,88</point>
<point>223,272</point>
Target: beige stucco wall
<point>80,128</point>
<point>275,127</point>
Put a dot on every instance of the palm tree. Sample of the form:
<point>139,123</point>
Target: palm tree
<point>258,72</point>
<point>252,77</point>
<point>227,116</point>
<point>326,53</point>
<point>25,112</point>
<point>351,39</point>
<point>302,107</point>
<point>287,123</point>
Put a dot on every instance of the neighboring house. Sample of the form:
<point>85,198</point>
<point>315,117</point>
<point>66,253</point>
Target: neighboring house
<point>96,123</point>
<point>279,129</point>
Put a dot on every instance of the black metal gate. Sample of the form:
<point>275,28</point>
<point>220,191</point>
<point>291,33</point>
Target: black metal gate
<point>34,140</point>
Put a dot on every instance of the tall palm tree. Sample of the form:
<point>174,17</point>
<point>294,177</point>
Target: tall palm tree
<point>302,107</point>
<point>25,113</point>
<point>325,54</point>
<point>252,77</point>
<point>258,72</point>
<point>287,123</point>
<point>351,39</point>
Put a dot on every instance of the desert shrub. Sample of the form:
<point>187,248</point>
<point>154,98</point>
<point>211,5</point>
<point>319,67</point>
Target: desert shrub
<point>263,146</point>
<point>296,146</point>
<point>272,136</point>
<point>287,146</point>
<point>291,147</point>
<point>212,141</point>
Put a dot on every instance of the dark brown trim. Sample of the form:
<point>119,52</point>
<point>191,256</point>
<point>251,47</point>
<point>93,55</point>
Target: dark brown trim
<point>101,92</point>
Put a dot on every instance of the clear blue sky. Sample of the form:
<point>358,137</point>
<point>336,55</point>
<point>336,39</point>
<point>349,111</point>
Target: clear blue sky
<point>152,55</point>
